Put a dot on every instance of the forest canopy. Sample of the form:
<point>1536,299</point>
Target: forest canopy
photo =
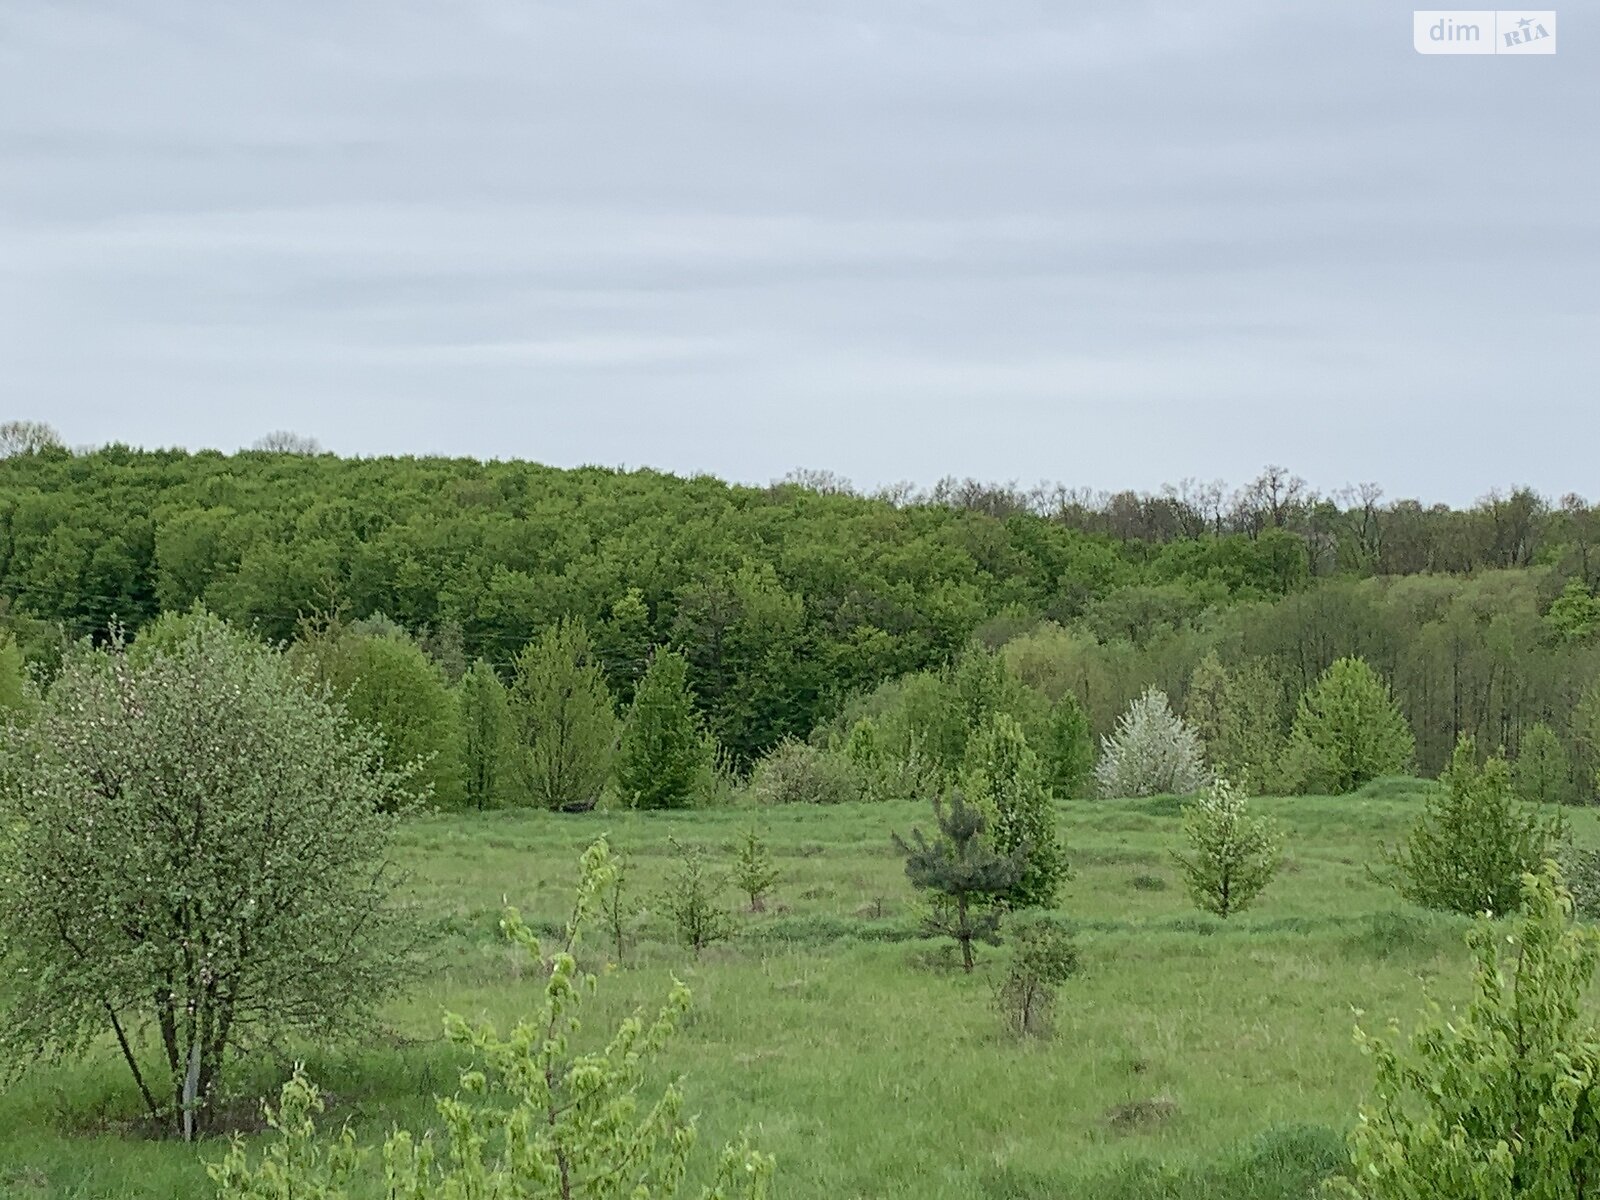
<point>787,601</point>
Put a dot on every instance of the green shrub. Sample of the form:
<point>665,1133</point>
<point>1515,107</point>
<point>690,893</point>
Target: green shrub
<point>1501,1100</point>
<point>1346,731</point>
<point>1474,840</point>
<point>797,773</point>
<point>1043,956</point>
<point>1581,869</point>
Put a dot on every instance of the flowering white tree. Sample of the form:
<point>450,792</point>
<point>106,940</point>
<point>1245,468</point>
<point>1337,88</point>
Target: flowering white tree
<point>1153,751</point>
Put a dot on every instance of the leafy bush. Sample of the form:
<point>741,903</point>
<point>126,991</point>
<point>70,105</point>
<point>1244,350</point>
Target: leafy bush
<point>532,1116</point>
<point>1581,869</point>
<point>1232,855</point>
<point>1153,751</point>
<point>887,770</point>
<point>797,773</point>
<point>197,845</point>
<point>1043,956</point>
<point>1502,1100</point>
<point>1474,840</point>
<point>1347,730</point>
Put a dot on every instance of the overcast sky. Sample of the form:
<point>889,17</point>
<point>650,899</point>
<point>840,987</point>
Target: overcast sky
<point>1112,247</point>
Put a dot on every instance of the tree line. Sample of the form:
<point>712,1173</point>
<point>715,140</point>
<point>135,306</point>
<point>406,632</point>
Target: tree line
<point>790,604</point>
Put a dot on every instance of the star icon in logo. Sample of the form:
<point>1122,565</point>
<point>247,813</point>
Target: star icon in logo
<point>1524,23</point>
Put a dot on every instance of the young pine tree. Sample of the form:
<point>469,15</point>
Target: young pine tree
<point>1475,840</point>
<point>1232,855</point>
<point>485,716</point>
<point>1153,751</point>
<point>665,756</point>
<point>1502,1100</point>
<point>1004,780</point>
<point>1347,731</point>
<point>968,880</point>
<point>562,720</point>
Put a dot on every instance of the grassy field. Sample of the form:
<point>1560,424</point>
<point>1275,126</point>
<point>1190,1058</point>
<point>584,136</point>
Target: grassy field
<point>1193,1057</point>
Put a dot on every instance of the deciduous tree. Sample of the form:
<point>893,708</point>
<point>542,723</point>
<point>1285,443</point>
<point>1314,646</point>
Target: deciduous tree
<point>563,725</point>
<point>197,846</point>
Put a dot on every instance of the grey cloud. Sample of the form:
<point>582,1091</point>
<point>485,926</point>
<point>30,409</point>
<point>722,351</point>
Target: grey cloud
<point>1016,240</point>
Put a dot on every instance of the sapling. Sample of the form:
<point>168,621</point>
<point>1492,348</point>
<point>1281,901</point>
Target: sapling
<point>532,1118</point>
<point>965,876</point>
<point>1043,956</point>
<point>1502,1098</point>
<point>753,870</point>
<point>691,900</point>
<point>1232,854</point>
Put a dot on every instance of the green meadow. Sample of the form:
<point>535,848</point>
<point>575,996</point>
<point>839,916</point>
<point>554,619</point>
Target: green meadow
<point>1193,1057</point>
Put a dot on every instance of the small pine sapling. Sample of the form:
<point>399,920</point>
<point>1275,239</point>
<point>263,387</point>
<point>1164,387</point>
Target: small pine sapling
<point>967,878</point>
<point>691,900</point>
<point>1232,854</point>
<point>754,873</point>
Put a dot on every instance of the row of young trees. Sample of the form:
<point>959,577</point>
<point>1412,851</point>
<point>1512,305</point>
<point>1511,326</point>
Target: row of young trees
<point>550,736</point>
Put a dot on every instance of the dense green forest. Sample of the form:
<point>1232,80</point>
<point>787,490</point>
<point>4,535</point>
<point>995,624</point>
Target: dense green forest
<point>792,601</point>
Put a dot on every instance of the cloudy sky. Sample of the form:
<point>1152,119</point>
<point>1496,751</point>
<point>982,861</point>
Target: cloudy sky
<point>894,238</point>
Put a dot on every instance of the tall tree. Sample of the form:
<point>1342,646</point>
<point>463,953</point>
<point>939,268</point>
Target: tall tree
<point>1004,780</point>
<point>563,723</point>
<point>623,642</point>
<point>387,682</point>
<point>485,734</point>
<point>1068,750</point>
<point>665,754</point>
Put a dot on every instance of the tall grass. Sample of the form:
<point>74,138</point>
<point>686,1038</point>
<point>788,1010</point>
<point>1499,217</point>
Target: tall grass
<point>1192,1058</point>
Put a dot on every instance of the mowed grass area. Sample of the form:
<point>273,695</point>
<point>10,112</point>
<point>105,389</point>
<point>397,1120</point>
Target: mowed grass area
<point>1193,1057</point>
